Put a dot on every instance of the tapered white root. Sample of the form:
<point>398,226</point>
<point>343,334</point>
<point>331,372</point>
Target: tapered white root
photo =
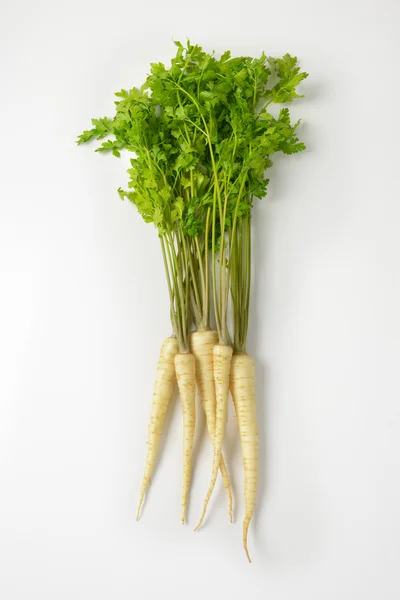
<point>201,345</point>
<point>163,388</point>
<point>186,378</point>
<point>244,398</point>
<point>222,361</point>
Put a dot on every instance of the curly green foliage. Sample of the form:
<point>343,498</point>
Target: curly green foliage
<point>199,125</point>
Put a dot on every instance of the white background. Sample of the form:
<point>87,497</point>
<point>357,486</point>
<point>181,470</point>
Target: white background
<point>83,311</point>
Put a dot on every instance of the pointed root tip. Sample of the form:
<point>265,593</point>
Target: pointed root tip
<point>245,547</point>
<point>231,513</point>
<point>139,509</point>
<point>246,550</point>
<point>199,524</point>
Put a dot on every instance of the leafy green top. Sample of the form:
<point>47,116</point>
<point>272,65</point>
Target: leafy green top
<point>201,122</point>
<point>202,138</point>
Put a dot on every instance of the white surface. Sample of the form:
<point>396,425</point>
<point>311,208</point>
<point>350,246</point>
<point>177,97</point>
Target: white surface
<point>81,327</point>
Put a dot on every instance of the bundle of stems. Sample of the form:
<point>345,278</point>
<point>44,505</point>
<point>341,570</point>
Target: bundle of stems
<point>202,136</point>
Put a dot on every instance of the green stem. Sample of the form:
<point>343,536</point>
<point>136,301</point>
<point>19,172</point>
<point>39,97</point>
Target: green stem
<point>237,207</point>
<point>213,267</point>
<point>172,281</point>
<point>170,290</point>
<point>220,313</point>
<point>181,295</point>
<point>204,317</point>
<point>241,281</point>
<point>194,283</point>
<point>187,291</point>
<point>247,248</point>
<point>196,314</point>
<point>206,313</point>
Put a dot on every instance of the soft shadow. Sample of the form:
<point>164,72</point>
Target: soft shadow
<point>307,510</point>
<point>262,397</point>
<point>263,437</point>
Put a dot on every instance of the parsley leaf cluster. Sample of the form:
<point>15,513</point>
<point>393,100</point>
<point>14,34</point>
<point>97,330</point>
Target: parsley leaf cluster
<point>202,136</point>
<point>200,120</point>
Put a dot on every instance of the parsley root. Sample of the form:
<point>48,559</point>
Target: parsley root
<point>202,344</point>
<point>222,356</point>
<point>163,388</point>
<point>202,132</point>
<point>185,375</point>
<point>242,388</point>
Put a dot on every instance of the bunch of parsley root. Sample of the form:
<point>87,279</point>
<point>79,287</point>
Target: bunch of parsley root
<point>201,136</point>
